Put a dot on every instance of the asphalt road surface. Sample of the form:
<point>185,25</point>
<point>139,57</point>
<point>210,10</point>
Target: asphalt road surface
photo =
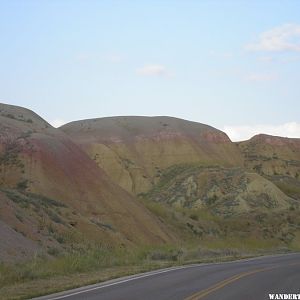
<point>251,279</point>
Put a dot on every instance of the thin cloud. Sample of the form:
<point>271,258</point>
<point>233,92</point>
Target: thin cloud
<point>245,132</point>
<point>261,77</point>
<point>222,55</point>
<point>153,70</point>
<point>266,59</point>
<point>114,58</point>
<point>97,57</point>
<point>282,38</point>
<point>82,57</point>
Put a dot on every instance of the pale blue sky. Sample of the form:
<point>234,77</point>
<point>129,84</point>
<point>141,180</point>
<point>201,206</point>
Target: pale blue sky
<point>232,64</point>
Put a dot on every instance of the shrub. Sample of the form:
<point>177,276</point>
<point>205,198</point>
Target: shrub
<point>22,185</point>
<point>194,216</point>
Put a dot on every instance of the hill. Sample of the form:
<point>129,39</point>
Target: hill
<point>53,196</point>
<point>194,178</point>
<point>134,151</point>
<point>275,158</point>
<point>126,192</point>
<point>225,207</point>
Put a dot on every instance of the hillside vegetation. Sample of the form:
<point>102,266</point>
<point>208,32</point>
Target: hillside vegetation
<point>119,195</point>
<point>225,206</point>
<point>275,158</point>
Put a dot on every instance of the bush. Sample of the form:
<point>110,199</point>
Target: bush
<point>194,217</point>
<point>22,185</point>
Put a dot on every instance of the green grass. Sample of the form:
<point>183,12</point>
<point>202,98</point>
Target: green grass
<point>84,259</point>
<point>100,257</point>
<point>220,240</point>
<point>31,275</point>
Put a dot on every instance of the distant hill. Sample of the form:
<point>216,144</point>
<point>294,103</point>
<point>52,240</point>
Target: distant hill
<point>275,158</point>
<point>197,180</point>
<point>134,150</point>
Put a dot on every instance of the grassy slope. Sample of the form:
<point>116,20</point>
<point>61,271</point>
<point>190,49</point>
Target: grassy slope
<point>225,207</point>
<point>44,283</point>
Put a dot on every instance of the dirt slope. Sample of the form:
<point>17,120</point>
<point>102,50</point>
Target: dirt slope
<point>50,187</point>
<point>135,150</point>
<point>275,158</point>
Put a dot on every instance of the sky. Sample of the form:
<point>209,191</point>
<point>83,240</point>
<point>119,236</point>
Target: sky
<point>234,65</point>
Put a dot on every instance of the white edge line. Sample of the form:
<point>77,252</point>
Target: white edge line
<point>119,282</point>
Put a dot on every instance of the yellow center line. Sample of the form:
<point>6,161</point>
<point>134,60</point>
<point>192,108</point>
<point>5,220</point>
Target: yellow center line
<point>201,294</point>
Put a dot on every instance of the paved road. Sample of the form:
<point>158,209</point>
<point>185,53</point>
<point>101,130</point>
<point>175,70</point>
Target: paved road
<point>252,279</point>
